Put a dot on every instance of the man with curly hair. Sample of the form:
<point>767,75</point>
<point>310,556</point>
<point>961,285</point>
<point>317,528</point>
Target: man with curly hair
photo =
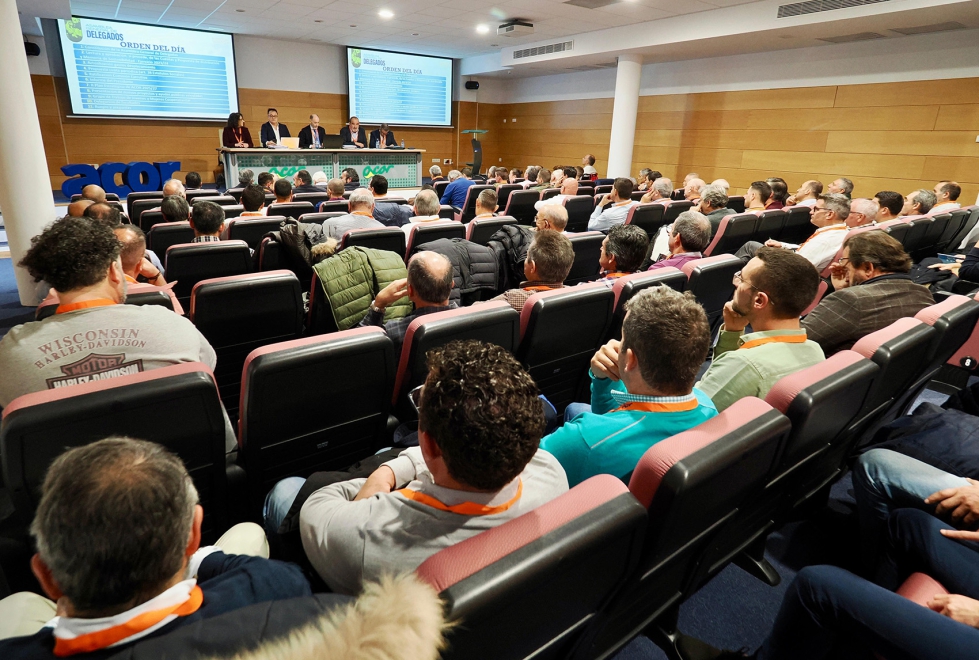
<point>477,466</point>
<point>91,336</point>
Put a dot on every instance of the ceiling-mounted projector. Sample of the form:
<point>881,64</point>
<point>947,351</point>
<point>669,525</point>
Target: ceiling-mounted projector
<point>515,28</point>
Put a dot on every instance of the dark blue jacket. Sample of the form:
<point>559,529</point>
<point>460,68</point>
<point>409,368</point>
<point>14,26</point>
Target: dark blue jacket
<point>455,192</point>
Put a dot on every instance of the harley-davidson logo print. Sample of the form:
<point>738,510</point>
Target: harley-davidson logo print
<point>95,367</point>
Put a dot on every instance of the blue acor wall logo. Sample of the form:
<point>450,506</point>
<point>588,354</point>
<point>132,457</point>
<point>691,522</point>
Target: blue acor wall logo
<point>136,177</point>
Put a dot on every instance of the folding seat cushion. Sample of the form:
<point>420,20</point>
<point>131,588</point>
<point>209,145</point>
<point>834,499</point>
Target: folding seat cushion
<point>161,236</point>
<point>521,206</point>
<point>798,225</point>
<point>479,230</point>
<point>691,485</point>
<point>292,209</point>
<point>176,406</point>
<point>711,280</point>
<point>252,229</point>
<point>492,322</point>
<point>629,285</point>
<point>240,313</point>
<point>426,232</point>
<point>314,198</point>
<point>733,232</point>
<point>187,265</point>
<point>650,217</point>
<point>587,252</point>
<point>341,205</point>
<point>468,210</point>
<point>560,330</point>
<point>565,558</point>
<point>391,239</point>
<point>580,208</point>
<point>675,208</point>
<point>347,377</point>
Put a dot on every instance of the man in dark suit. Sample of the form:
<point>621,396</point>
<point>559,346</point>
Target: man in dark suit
<point>273,131</point>
<point>304,183</point>
<point>353,134</point>
<point>312,136</point>
<point>382,138</point>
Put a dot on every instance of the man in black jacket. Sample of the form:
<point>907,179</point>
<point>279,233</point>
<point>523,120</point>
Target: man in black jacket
<point>353,134</point>
<point>273,131</point>
<point>312,136</point>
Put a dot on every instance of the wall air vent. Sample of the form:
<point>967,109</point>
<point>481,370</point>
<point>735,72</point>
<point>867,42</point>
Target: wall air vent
<point>847,38</point>
<point>816,6</point>
<point>536,51</point>
<point>927,29</point>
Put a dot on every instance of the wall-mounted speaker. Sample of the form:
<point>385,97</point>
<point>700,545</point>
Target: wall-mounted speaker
<point>33,50</point>
<point>472,84</point>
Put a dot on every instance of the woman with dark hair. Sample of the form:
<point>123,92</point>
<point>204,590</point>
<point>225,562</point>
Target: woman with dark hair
<point>235,133</point>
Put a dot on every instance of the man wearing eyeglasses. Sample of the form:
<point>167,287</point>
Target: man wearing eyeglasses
<point>771,293</point>
<point>273,131</point>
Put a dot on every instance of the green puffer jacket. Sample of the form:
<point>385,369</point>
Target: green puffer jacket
<point>353,277</point>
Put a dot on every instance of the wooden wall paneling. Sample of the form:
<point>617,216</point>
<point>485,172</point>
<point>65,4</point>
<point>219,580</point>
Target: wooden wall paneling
<point>921,92</point>
<point>951,168</point>
<point>923,143</point>
<point>900,167</point>
<point>958,118</point>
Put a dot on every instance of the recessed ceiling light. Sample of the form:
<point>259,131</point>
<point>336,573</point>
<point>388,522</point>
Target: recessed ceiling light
<point>318,20</point>
<point>482,29</point>
<point>415,34</point>
<point>494,45</point>
<point>352,25</point>
<point>240,11</point>
<point>386,13</point>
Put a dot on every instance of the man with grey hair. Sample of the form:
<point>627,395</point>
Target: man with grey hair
<point>175,209</point>
<point>829,215</point>
<point>689,236</point>
<point>920,202</point>
<point>723,183</point>
<point>713,204</point>
<point>361,216</point>
<point>245,178</point>
<point>426,209</point>
<point>841,186</point>
<point>661,190</point>
<point>530,176</point>
<point>118,535</point>
<point>455,193</point>
<point>862,212</point>
<point>552,216</point>
<point>487,202</point>
<point>693,190</point>
<point>171,188</point>
<point>436,173</point>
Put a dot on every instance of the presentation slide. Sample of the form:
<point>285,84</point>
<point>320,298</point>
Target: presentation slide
<point>398,88</point>
<point>129,70</point>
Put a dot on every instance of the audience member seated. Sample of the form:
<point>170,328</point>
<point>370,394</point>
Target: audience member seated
<point>862,212</point>
<point>780,193</point>
<point>426,209</point>
<point>283,191</point>
<point>757,196</point>
<point>118,534</point>
<point>319,179</point>
<point>829,215</point>
<point>110,215</point>
<point>693,189</point>
<point>455,193</point>
<point>245,178</point>
<point>514,175</point>
<point>133,256</point>
<point>641,388</point>
<point>361,216</point>
<point>889,205</point>
<point>946,192</point>
<point>477,466</point>
<point>614,207</point>
<point>713,204</point>
<point>175,209</point>
<point>645,179</point>
<point>207,221</point>
<point>689,236</point>
<point>552,216</point>
<point>530,176</point>
<point>872,290</point>
<point>303,183</point>
<point>841,186</point>
<point>91,335</point>
<point>806,195</point>
<point>543,180</point>
<point>486,204</point>
<point>588,166</point>
<point>236,134</point>
<point>335,189</point>
<point>549,260</point>
<point>623,251</point>
<point>920,202</point>
<point>569,188</point>
<point>722,183</point>
<point>557,177</point>
<point>661,189</point>
<point>77,208</point>
<point>388,211</point>
<point>253,200</point>
<point>772,291</point>
<point>192,181</point>
<point>499,176</point>
<point>435,172</point>
<point>266,180</point>
<point>428,285</point>
<point>94,193</point>
<point>350,178</point>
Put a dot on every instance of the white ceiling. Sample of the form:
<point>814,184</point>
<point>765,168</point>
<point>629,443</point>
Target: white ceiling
<point>436,27</point>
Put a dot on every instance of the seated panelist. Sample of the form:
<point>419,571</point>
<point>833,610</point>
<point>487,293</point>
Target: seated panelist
<point>312,136</point>
<point>273,131</point>
<point>235,134</point>
<point>382,138</point>
<point>353,134</point>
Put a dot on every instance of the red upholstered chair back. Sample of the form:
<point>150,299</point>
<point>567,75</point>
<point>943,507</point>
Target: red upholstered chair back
<point>629,285</point>
<point>163,235</point>
<point>820,293</point>
<point>587,253</point>
<point>560,330</point>
<point>503,193</point>
<point>520,205</point>
<point>711,280</point>
<point>469,208</point>
<point>650,217</point>
<point>565,558</point>
<point>177,407</point>
<point>190,263</point>
<point>426,232</point>
<point>955,320</point>
<point>280,438</point>
<point>675,208</point>
<point>479,230</point>
<point>292,209</point>
<point>580,208</point>
<point>733,232</point>
<point>391,239</point>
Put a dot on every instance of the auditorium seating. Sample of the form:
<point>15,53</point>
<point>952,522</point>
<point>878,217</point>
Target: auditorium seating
<point>770,225</point>
<point>733,232</point>
<point>156,297</point>
<point>314,198</point>
<point>560,330</point>
<point>479,230</point>
<point>637,195</point>
<point>240,313</point>
<point>967,226</point>
<point>547,193</point>
<point>446,212</point>
<point>223,200</point>
<point>269,255</point>
<point>580,208</point>
<point>691,485</point>
<point>898,229</point>
<point>629,285</point>
<point>957,220</point>
<point>674,209</point>
<point>252,229</point>
<point>176,406</point>
<point>798,225</point>
<point>291,209</point>
<point>386,238</point>
<point>426,232</point>
<point>736,202</point>
<point>521,206</point>
<point>134,197</point>
<point>187,265</point>
<point>587,251</point>
<point>320,218</point>
<point>235,192</point>
<point>140,206</point>
<point>603,189</point>
<point>233,211</point>
<point>649,217</point>
<point>202,193</point>
<point>346,421</point>
<point>161,236</point>
<point>468,210</point>
<point>566,558</point>
<point>440,187</point>
<point>503,193</point>
<point>334,205</point>
<point>587,191</point>
<point>492,322</point>
<point>711,280</point>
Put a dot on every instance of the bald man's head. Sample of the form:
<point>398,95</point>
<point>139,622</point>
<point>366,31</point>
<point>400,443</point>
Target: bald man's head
<point>133,248</point>
<point>430,278</point>
<point>94,193</point>
<point>173,187</point>
<point>77,208</point>
<point>569,186</point>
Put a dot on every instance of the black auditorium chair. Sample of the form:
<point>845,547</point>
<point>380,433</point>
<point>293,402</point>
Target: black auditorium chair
<point>521,206</point>
<point>154,297</point>
<point>320,218</point>
<point>560,330</point>
<point>736,202</point>
<point>292,209</point>
<point>385,238</point>
<point>133,197</point>
<point>637,195</point>
<point>186,265</point>
<point>503,193</point>
<point>200,194</point>
<point>479,230</point>
<point>140,206</point>
<point>235,192</point>
<point>233,211</point>
<point>223,200</point>
<point>691,484</point>
<point>798,225</point>
<point>446,212</point>
<point>648,217</point>
<point>967,226</point>
<point>587,190</point>
<point>933,237</point>
<point>711,280</point>
<point>915,241</point>
<point>899,230</point>
<point>269,199</point>
<point>565,558</point>
<point>426,232</point>
<point>109,197</point>
<point>957,220</point>
<point>177,406</point>
<point>603,189</point>
<point>468,210</point>
<point>675,208</point>
<point>770,225</point>
<point>252,229</point>
<point>346,422</point>
<point>314,198</point>
<point>579,208</point>
<point>547,193</point>
<point>629,285</point>
<point>440,187</point>
<point>733,232</point>
<point>334,205</point>
<point>160,237</point>
<point>270,256</point>
<point>491,322</point>
<point>241,313</point>
<point>587,252</point>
